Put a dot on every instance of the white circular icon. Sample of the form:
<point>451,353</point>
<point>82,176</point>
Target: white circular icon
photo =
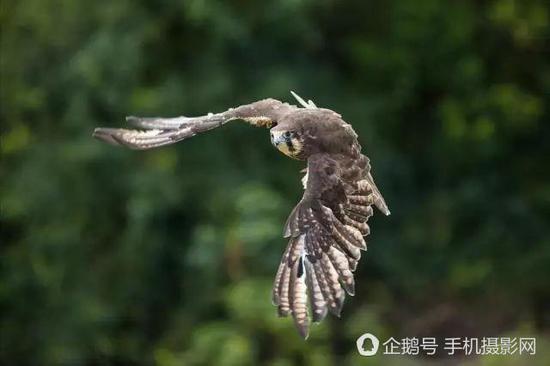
<point>361,345</point>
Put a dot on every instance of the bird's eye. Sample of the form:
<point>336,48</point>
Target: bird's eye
<point>287,134</point>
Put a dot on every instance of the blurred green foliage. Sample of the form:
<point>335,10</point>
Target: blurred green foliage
<point>113,257</point>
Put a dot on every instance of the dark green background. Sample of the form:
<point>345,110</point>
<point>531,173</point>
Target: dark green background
<point>118,257</point>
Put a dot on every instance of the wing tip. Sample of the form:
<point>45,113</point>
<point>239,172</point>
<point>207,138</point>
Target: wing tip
<point>380,203</point>
<point>336,309</point>
<point>105,135</point>
<point>319,317</point>
<point>350,288</point>
<point>303,330</point>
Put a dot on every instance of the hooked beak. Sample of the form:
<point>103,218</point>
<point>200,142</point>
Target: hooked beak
<point>278,137</point>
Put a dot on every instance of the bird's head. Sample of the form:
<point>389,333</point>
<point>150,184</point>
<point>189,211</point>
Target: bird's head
<point>288,141</point>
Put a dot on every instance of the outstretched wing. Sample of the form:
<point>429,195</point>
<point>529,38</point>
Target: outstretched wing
<point>326,232</point>
<point>156,132</point>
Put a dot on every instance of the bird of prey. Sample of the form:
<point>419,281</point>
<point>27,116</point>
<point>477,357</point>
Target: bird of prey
<point>326,229</point>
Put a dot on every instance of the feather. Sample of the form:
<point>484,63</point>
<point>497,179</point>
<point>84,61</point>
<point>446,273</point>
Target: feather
<point>363,227</point>
<point>368,184</point>
<point>298,297</point>
<point>357,235</point>
<point>160,123</point>
<point>296,249</point>
<point>333,285</point>
<point>308,105</point>
<point>365,211</point>
<point>346,246</point>
<point>352,215</point>
<point>284,301</point>
<point>134,139</point>
<point>325,289</point>
<point>352,264</point>
<point>317,301</point>
<point>363,200</point>
<point>156,131</point>
<point>292,225</point>
<point>350,241</point>
<point>277,283</point>
<point>341,264</point>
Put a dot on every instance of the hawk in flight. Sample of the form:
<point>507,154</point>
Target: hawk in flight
<point>326,229</point>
